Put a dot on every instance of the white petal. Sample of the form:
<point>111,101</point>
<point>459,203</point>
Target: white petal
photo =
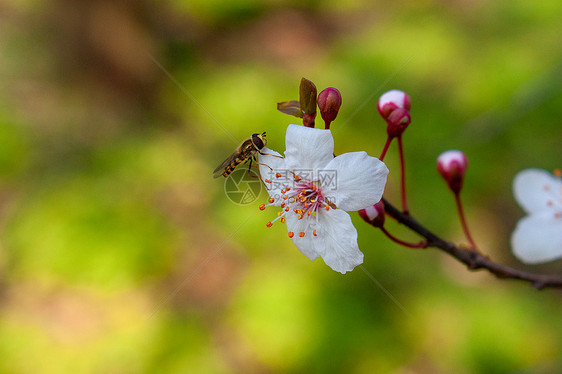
<point>308,148</point>
<point>311,246</point>
<point>537,190</point>
<point>360,180</point>
<point>336,240</point>
<point>537,238</point>
<point>272,162</point>
<point>341,251</point>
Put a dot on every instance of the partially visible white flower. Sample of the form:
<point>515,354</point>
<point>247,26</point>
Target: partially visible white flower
<point>314,190</point>
<point>538,236</point>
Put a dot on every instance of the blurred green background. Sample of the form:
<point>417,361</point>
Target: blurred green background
<point>119,253</point>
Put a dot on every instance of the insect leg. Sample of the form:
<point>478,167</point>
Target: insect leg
<point>269,154</point>
<point>250,167</point>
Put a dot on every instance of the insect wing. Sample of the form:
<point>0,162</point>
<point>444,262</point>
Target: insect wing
<point>221,168</point>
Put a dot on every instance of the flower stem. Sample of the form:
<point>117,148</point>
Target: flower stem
<point>420,245</point>
<point>402,176</point>
<point>463,221</point>
<point>386,145</point>
<point>472,259</point>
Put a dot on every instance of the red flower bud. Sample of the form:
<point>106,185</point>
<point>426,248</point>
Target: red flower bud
<point>391,100</point>
<point>329,102</point>
<point>452,166</point>
<point>373,215</point>
<point>398,120</point>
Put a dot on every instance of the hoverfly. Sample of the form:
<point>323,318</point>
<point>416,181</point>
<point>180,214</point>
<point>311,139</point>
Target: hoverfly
<point>245,151</point>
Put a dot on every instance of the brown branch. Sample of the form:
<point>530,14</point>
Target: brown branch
<point>473,260</point>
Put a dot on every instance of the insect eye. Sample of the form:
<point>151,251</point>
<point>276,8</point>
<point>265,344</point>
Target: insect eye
<point>257,141</point>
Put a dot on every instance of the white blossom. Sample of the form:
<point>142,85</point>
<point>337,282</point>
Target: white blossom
<point>538,236</point>
<point>315,190</point>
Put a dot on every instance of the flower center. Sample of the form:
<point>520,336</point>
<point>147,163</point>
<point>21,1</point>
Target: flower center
<point>303,198</point>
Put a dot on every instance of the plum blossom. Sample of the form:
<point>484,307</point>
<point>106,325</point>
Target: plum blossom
<point>315,190</point>
<point>538,236</point>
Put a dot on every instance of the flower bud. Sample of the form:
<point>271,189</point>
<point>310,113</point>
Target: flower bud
<point>397,122</point>
<point>391,100</point>
<point>373,215</point>
<point>452,166</point>
<point>329,102</point>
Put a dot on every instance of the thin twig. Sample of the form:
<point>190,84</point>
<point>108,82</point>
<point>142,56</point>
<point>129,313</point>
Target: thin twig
<point>472,259</point>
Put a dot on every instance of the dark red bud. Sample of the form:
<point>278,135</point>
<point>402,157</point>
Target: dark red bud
<point>452,166</point>
<point>329,102</point>
<point>398,120</point>
<point>391,100</point>
<point>373,215</point>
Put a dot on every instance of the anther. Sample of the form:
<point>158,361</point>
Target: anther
<point>557,173</point>
<point>301,234</point>
<point>271,199</point>
<point>269,224</point>
<point>262,206</point>
<point>267,181</point>
<point>314,233</point>
<point>278,214</point>
<point>282,219</point>
<point>291,234</point>
<point>278,175</point>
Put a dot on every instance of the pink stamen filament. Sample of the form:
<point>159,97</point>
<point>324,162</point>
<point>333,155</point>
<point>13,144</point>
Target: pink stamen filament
<point>305,199</point>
